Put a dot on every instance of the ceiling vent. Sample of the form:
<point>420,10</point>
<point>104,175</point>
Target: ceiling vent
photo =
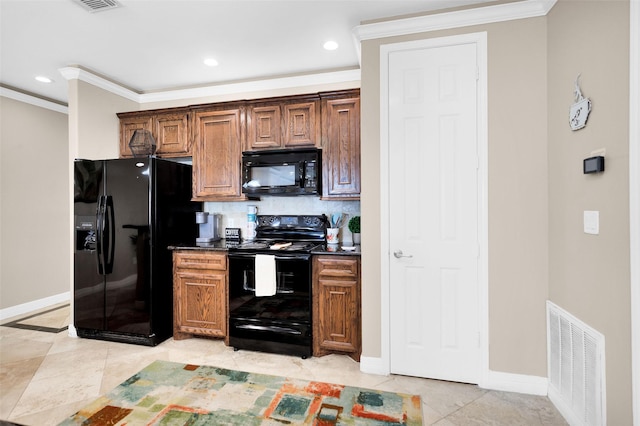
<point>97,5</point>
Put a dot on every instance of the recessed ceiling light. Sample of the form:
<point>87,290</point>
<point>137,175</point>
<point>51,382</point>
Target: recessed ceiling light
<point>331,45</point>
<point>43,79</point>
<point>211,62</point>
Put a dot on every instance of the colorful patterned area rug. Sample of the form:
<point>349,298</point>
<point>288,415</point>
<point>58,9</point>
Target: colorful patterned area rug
<point>168,393</point>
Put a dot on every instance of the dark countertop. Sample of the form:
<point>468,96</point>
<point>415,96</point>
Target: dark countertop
<point>220,245</point>
<point>223,245</point>
<point>337,250</point>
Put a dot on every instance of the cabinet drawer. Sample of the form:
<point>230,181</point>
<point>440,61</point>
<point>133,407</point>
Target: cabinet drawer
<point>199,260</point>
<point>335,266</point>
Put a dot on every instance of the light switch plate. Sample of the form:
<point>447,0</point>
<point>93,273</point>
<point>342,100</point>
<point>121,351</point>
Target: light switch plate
<point>591,222</point>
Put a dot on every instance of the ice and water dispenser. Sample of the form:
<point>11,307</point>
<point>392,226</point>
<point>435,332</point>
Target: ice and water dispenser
<point>85,235</point>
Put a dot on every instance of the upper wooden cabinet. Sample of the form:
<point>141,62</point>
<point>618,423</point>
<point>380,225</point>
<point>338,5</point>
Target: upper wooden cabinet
<point>264,123</point>
<point>216,134</point>
<point>170,129</point>
<point>283,123</point>
<point>217,144</point>
<point>129,123</point>
<point>302,123</point>
<point>341,145</point>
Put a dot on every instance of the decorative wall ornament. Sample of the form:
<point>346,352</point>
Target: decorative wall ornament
<point>579,111</point>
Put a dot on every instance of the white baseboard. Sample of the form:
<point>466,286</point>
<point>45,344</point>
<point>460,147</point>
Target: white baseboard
<point>567,412</point>
<point>72,331</point>
<point>372,365</point>
<point>520,383</point>
<point>25,308</point>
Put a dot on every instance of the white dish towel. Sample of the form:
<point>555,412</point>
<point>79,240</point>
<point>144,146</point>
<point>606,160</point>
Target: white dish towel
<point>265,276</point>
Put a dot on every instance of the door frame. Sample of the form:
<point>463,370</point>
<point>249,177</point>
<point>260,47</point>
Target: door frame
<point>634,203</point>
<point>480,40</point>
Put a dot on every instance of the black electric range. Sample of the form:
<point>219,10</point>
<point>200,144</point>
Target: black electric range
<point>285,233</point>
<point>270,285</point>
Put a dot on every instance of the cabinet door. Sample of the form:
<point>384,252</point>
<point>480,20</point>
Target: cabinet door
<point>172,134</point>
<point>264,127</point>
<point>217,154</point>
<point>337,305</point>
<point>200,300</point>
<point>341,148</point>
<point>302,124</point>
<point>128,126</point>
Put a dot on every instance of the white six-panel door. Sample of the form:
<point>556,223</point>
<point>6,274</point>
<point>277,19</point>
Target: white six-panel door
<point>433,215</point>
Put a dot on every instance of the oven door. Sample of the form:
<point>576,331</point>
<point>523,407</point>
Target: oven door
<point>293,275</point>
<point>280,323</point>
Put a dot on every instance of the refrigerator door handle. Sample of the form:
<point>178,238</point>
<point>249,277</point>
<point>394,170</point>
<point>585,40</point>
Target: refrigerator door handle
<point>100,241</point>
<point>111,240</point>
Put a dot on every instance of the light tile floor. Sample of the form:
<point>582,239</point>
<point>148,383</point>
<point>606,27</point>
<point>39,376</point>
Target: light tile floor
<point>45,377</point>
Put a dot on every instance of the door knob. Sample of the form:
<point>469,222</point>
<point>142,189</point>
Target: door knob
<point>398,254</point>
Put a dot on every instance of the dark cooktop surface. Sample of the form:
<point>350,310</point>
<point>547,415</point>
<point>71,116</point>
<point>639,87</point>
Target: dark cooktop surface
<point>276,246</point>
<point>285,233</point>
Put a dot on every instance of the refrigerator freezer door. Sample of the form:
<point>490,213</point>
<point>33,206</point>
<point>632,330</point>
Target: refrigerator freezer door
<point>88,281</point>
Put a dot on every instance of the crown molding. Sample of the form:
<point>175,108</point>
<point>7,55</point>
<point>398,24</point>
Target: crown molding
<point>74,73</point>
<point>458,19</point>
<point>254,86</point>
<point>33,100</point>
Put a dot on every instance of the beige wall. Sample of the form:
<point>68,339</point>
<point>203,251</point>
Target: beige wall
<point>93,125</point>
<point>517,183</point>
<point>33,203</point>
<point>589,274</point>
<point>537,192</point>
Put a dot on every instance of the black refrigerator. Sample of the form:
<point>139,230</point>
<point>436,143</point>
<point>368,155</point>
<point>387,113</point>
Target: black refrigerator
<point>127,212</point>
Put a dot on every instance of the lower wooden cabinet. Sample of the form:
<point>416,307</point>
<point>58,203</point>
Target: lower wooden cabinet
<point>199,294</point>
<point>336,306</point>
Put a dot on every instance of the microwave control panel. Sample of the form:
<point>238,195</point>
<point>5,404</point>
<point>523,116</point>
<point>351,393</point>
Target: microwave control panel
<point>310,174</point>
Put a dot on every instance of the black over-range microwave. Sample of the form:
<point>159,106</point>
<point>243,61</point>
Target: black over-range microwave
<point>282,172</point>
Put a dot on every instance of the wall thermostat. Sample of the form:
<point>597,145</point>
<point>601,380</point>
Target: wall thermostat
<point>593,165</point>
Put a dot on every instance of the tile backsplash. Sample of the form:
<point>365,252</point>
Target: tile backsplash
<point>234,214</point>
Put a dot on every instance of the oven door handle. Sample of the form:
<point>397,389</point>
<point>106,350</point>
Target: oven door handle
<point>241,255</point>
<point>294,257</point>
<point>268,328</point>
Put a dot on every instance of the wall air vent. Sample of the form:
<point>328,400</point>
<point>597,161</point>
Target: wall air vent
<point>97,5</point>
<point>576,363</point>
